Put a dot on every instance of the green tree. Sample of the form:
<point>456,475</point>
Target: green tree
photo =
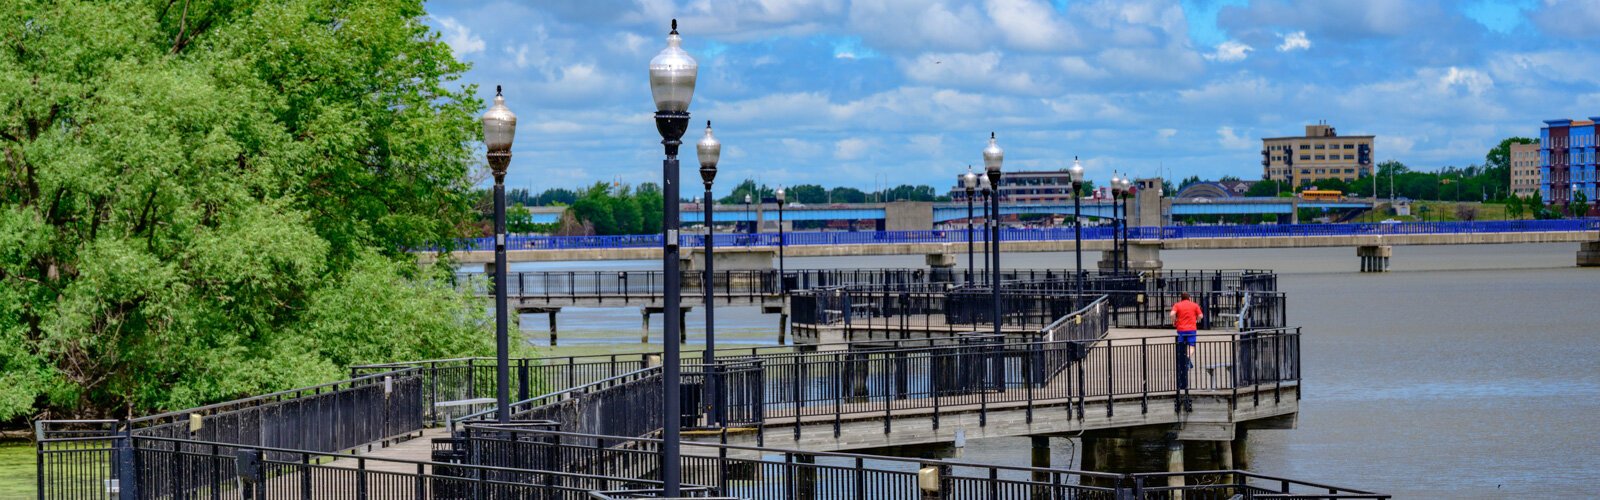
<point>648,197</point>
<point>807,194</point>
<point>1580,204</point>
<point>1515,208</point>
<point>1268,188</point>
<point>193,195</point>
<point>1499,157</point>
<point>847,195</point>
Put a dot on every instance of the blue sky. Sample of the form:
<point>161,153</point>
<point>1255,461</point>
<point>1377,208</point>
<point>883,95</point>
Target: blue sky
<point>842,92</point>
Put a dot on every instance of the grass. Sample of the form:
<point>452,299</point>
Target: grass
<point>17,469</point>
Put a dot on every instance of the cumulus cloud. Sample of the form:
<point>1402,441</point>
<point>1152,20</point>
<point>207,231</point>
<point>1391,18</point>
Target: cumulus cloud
<point>850,149</point>
<point>1567,18</point>
<point>1294,41</point>
<point>1230,51</point>
<point>1228,139</point>
<point>460,38</point>
<point>1474,81</point>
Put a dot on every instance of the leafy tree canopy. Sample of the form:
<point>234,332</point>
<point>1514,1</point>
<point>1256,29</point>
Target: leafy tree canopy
<point>207,199</point>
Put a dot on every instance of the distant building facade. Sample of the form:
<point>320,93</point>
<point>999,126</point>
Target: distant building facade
<point>1027,187</point>
<point>1320,154</point>
<point>1567,160</point>
<point>1524,170</point>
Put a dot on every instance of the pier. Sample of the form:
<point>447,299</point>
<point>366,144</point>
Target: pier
<point>802,421</point>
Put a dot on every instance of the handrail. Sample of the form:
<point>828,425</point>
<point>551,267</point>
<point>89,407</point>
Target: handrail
<point>296,391</point>
<point>559,395</point>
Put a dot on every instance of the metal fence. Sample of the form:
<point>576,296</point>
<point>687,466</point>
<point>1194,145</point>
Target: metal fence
<point>759,473</point>
<point>807,238</point>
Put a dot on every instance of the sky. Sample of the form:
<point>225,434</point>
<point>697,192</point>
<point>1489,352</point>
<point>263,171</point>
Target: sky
<point>887,92</point>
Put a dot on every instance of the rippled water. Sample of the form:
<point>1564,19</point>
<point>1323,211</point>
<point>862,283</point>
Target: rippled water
<point>1467,372</point>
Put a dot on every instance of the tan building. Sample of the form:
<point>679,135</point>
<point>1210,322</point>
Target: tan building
<point>1320,154</point>
<point>1525,169</point>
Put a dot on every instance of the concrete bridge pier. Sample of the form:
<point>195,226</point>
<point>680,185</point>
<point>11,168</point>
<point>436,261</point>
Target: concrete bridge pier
<point>1143,255</point>
<point>1374,258</point>
<point>1175,464</point>
<point>1041,459</point>
<point>1589,254</point>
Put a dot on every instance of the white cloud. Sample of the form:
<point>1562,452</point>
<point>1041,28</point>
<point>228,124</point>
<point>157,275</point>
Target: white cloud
<point>1473,80</point>
<point>1166,133</point>
<point>800,148</point>
<point>1294,41</point>
<point>1027,24</point>
<point>850,149</point>
<point>1230,51</point>
<point>1230,140</point>
<point>1394,144</point>
<point>460,38</point>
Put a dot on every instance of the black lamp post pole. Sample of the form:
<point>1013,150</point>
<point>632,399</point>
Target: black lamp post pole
<point>1123,255</point>
<point>502,339</point>
<point>709,284</point>
<point>781,289</point>
<point>994,268</point>
<point>986,219</point>
<point>971,268</point>
<point>1077,236</point>
<point>672,125</point>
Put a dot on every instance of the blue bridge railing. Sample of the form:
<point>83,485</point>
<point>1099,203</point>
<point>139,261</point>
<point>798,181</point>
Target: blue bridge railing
<point>802,238</point>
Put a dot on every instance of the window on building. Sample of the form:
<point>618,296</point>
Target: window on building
<point>1349,146</point>
<point>1321,146</point>
<point>1321,157</point>
<point>1349,157</point>
<point>1305,157</point>
<point>1305,146</point>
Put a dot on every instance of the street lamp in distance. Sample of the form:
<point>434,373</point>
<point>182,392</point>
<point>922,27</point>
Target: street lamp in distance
<point>993,156</point>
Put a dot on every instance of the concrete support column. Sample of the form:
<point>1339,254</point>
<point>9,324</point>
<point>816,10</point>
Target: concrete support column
<point>552,328</point>
<point>644,333</point>
<point>1241,449</point>
<point>1224,455</point>
<point>783,326</point>
<point>683,318</point>
<point>1374,258</point>
<point>806,482</point>
<point>1589,254</point>
<point>1175,464</point>
<point>1144,255</point>
<point>1041,459</point>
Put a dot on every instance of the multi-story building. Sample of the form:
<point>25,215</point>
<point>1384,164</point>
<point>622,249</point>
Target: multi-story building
<point>1567,160</point>
<point>1320,154</point>
<point>1027,187</point>
<point>1524,169</point>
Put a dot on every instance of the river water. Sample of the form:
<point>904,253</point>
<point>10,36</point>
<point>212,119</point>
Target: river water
<point>1466,372</point>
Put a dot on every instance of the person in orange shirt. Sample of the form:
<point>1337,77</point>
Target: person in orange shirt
<point>1186,316</point>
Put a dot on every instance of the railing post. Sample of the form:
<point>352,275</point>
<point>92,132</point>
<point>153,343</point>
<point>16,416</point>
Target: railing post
<point>127,466</point>
<point>1144,379</point>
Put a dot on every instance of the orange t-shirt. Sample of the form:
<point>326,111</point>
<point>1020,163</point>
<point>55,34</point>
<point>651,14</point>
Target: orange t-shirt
<point>1186,316</point>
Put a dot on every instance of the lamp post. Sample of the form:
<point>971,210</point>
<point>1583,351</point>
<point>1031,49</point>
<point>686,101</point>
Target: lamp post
<point>749,213</point>
<point>969,181</point>
<point>709,150</point>
<point>1127,194</point>
<point>499,129</point>
<point>992,157</point>
<point>1077,221</point>
<point>780,196</point>
<point>1116,225</point>
<point>672,78</point>
<point>984,190</point>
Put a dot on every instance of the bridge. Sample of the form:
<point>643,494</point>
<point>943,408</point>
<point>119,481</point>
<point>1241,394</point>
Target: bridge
<point>813,421</point>
<point>1145,245</point>
<point>907,215</point>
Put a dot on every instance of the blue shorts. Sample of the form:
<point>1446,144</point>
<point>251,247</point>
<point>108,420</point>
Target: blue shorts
<point>1187,337</point>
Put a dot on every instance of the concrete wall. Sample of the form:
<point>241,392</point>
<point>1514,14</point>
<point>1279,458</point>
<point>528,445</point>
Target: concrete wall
<point>908,216</point>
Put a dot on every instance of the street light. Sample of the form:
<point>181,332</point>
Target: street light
<point>992,158</point>
<point>1127,194</point>
<point>1116,225</point>
<point>969,181</point>
<point>672,77</point>
<point>710,150</point>
<point>780,196</point>
<point>1077,221</point>
<point>499,129</point>
<point>986,191</point>
<point>748,213</point>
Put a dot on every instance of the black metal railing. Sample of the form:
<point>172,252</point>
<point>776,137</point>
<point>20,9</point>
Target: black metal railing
<point>560,287</point>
